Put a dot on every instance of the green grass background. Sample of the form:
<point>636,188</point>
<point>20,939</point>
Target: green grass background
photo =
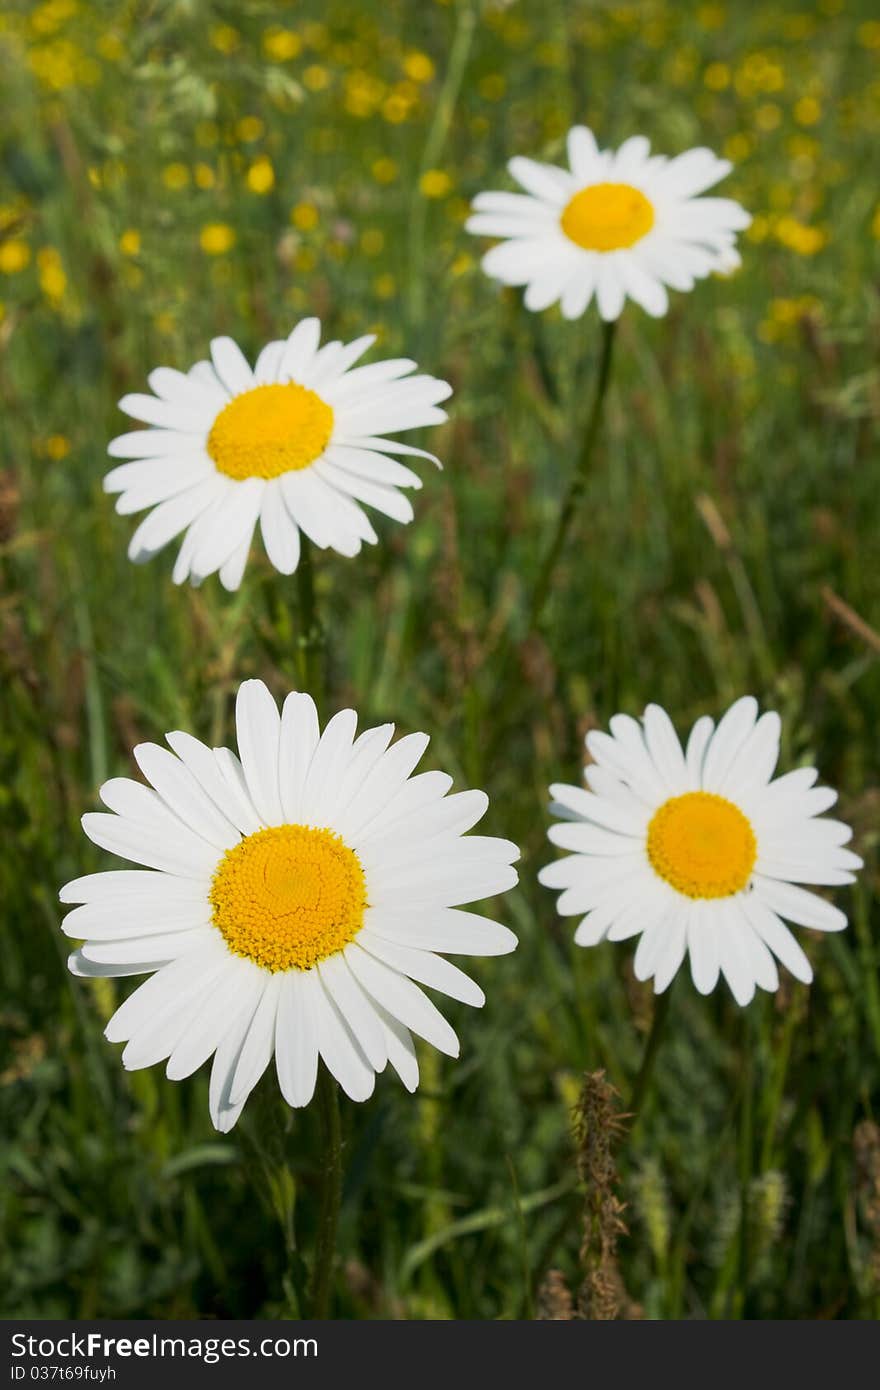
<point>737,480</point>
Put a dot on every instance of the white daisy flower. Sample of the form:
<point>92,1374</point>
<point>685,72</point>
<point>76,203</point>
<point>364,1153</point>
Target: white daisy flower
<point>698,851</point>
<point>618,225</point>
<point>290,900</point>
<point>296,443</point>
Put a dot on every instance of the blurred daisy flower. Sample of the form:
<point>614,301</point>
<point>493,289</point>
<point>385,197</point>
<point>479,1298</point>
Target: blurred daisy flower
<point>296,443</point>
<point>619,225</point>
<point>698,852</point>
<point>291,898</point>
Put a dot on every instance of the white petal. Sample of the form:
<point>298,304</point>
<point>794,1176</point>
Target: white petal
<point>258,1044</point>
<point>777,936</point>
<point>228,797</point>
<point>728,740</point>
<point>445,929</point>
<point>280,533</point>
<point>797,905</point>
<point>355,1007</point>
<point>703,947</point>
<point>234,994</point>
<point>258,732</point>
<point>296,1036</point>
<point>402,999</point>
<point>231,366</point>
<point>174,852</point>
<point>184,795</point>
<point>424,967</point>
<point>298,740</point>
<point>341,1054</point>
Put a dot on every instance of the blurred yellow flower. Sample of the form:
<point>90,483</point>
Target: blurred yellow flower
<point>385,286</point>
<point>175,176</point>
<point>419,67</point>
<point>316,78</point>
<point>305,216</point>
<point>363,93</point>
<point>785,316</point>
<point>51,275</point>
<point>738,147</point>
<point>768,116</point>
<point>224,38</point>
<point>281,44</point>
<point>800,238</point>
<point>305,259</point>
<point>435,183</point>
<point>204,176</point>
<point>397,107</point>
<point>249,128</point>
<point>384,170</point>
<point>807,111</point>
<point>869,34</point>
<point>57,447</point>
<point>46,18</point>
<point>261,175</point>
<point>130,242</point>
<point>15,254</point>
<point>216,238</point>
<point>717,77</point>
<point>759,229</point>
<point>111,47</point>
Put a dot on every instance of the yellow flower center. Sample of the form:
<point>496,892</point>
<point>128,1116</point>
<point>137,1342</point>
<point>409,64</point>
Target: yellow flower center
<point>289,896</point>
<point>607,217</point>
<point>270,430</point>
<point>702,844</point>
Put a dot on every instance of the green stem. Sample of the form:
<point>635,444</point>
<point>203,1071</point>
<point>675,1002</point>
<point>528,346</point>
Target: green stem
<point>658,1023</point>
<point>331,1194</point>
<point>577,484</point>
<point>444,111</point>
<point>546,573</point>
<point>310,645</point>
<point>746,1144</point>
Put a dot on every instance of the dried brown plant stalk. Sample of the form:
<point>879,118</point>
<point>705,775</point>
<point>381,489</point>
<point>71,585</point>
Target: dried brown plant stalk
<point>866,1145</point>
<point>600,1125</point>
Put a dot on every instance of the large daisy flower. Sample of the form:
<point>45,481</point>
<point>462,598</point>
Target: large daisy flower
<point>296,443</point>
<point>290,899</point>
<point>616,225</point>
<point>698,852</point>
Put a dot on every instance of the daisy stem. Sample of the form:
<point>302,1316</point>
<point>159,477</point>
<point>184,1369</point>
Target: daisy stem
<point>661,1011</point>
<point>578,481</point>
<point>331,1194</point>
<point>310,649</point>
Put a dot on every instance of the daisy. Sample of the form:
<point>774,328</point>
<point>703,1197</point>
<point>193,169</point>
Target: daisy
<point>698,851</point>
<point>296,443</point>
<point>619,224</point>
<point>290,899</point>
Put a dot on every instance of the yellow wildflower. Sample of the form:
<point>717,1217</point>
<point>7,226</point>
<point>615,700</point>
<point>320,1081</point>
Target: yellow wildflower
<point>435,183</point>
<point>305,216</point>
<point>216,238</point>
<point>175,176</point>
<point>281,44</point>
<point>419,67</point>
<point>57,447</point>
<point>15,254</point>
<point>261,175</point>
